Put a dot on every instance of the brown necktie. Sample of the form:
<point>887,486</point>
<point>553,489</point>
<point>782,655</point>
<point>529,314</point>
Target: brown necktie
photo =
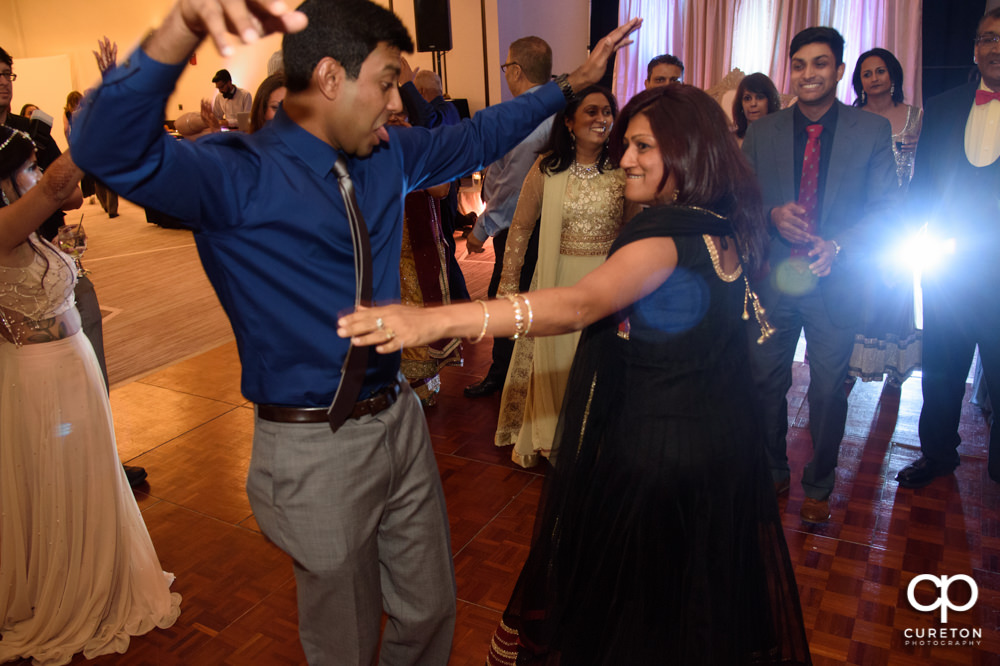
<point>809,185</point>
<point>352,374</point>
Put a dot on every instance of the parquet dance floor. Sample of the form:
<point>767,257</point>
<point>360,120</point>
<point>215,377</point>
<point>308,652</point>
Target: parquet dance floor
<point>189,426</point>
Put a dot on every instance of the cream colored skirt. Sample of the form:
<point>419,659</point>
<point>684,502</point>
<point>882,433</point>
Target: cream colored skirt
<point>78,572</point>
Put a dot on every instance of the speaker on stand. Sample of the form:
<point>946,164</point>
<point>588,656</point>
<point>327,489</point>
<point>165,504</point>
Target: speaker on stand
<point>433,23</point>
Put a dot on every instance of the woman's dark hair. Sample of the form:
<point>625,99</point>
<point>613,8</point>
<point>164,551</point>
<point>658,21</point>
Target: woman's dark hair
<point>895,75</point>
<point>697,148</point>
<point>72,102</point>
<point>755,83</point>
<point>26,107</point>
<point>560,150</point>
<point>262,97</point>
<point>345,30</point>
<point>17,148</point>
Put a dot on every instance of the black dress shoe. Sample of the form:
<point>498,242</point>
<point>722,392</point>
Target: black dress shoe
<point>135,475</point>
<point>920,473</point>
<point>487,386</point>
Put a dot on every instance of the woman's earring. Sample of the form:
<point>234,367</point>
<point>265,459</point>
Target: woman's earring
<point>674,198</point>
<point>3,195</point>
<point>864,98</point>
<point>892,90</point>
<point>572,140</point>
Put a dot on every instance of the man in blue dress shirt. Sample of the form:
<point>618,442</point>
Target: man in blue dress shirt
<point>360,510</point>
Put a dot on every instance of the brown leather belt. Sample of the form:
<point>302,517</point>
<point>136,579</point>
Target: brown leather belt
<point>381,400</point>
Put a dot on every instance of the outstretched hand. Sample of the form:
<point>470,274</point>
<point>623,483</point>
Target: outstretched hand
<point>190,21</point>
<point>248,19</point>
<point>592,71</point>
<point>392,327</point>
<point>106,55</point>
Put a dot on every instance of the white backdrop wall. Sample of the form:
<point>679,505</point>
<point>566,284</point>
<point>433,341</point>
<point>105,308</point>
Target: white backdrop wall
<point>69,30</point>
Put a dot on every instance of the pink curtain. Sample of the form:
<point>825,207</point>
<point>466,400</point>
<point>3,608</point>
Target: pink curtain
<point>708,23</point>
<point>700,32</point>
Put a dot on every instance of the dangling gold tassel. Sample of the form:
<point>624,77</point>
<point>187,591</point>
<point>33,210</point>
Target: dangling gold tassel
<point>766,330</point>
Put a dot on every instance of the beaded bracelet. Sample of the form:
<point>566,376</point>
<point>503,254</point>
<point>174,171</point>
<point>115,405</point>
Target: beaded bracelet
<point>518,315</point>
<point>486,322</point>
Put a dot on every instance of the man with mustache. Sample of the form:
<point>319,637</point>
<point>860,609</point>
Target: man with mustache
<point>231,101</point>
<point>954,189</point>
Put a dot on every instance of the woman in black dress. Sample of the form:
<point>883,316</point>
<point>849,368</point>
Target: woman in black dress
<point>658,538</point>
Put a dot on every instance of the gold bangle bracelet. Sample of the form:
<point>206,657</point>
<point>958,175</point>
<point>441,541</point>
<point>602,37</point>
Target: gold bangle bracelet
<point>531,315</point>
<point>486,322</point>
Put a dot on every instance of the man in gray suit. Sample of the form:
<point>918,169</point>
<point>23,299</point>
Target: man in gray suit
<point>828,181</point>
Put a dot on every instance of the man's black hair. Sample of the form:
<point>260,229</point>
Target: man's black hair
<point>820,34</point>
<point>345,30</point>
<point>665,59</point>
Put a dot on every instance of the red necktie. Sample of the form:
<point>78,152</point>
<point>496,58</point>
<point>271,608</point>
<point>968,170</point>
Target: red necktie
<point>809,184</point>
<point>986,96</point>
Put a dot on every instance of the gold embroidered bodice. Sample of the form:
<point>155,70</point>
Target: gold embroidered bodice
<point>24,291</point>
<point>593,211</point>
<point>592,214</point>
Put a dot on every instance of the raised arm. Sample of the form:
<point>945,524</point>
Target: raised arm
<point>629,274</point>
<point>529,207</point>
<point>22,217</point>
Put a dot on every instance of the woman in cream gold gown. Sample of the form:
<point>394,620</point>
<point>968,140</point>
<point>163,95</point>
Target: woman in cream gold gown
<point>78,572</point>
<point>578,200</point>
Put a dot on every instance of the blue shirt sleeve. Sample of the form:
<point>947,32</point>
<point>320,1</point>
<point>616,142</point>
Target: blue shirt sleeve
<point>119,138</point>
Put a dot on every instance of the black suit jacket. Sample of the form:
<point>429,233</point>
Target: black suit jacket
<point>955,199</point>
<point>860,198</point>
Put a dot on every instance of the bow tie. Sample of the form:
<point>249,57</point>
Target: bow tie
<point>986,96</point>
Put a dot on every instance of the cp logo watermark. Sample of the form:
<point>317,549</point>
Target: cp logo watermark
<point>943,583</point>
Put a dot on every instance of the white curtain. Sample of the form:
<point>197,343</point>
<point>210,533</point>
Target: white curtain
<point>754,35</point>
<point>662,32</point>
<point>713,36</point>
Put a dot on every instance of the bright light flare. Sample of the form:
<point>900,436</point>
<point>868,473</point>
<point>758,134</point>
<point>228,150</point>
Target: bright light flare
<point>923,252</point>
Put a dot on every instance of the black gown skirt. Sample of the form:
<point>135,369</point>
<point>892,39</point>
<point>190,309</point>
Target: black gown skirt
<point>658,539</point>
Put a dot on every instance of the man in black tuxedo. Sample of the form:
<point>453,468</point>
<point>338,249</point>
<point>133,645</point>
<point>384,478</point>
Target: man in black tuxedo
<point>956,190</point>
<point>828,180</point>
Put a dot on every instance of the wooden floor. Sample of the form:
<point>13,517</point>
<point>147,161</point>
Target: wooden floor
<point>189,426</point>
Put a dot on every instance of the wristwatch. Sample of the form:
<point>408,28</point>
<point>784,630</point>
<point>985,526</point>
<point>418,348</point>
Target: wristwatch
<point>567,90</point>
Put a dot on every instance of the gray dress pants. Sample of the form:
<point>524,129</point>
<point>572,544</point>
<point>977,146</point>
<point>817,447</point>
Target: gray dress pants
<point>362,514</point>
